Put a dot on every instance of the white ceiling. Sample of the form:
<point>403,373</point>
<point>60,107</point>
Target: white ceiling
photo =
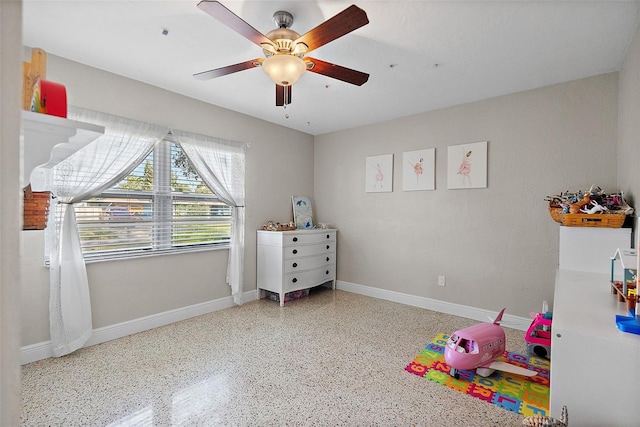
<point>421,55</point>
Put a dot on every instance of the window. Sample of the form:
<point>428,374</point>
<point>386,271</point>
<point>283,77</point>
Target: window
<point>161,206</point>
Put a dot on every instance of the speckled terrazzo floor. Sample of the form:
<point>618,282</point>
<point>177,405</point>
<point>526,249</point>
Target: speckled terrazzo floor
<point>332,358</point>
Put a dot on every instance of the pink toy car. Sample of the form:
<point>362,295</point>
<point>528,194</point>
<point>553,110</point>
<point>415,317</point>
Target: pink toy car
<point>538,336</point>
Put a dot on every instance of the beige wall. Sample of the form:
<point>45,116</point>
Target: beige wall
<point>279,165</point>
<point>629,124</point>
<point>497,246</point>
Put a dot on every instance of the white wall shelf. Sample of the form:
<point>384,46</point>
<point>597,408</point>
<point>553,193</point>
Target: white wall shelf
<point>48,140</point>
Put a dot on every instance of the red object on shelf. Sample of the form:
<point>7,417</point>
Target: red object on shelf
<point>49,98</point>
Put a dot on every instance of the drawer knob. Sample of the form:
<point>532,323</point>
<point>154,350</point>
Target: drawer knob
<point>295,239</point>
<point>326,272</point>
<point>327,246</point>
<point>295,264</point>
<point>294,280</point>
<point>327,259</point>
<point>295,251</point>
<point>328,236</point>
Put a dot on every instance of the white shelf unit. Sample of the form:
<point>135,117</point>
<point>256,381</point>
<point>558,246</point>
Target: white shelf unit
<point>594,365</point>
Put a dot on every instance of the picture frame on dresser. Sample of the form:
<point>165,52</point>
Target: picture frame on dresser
<point>302,212</point>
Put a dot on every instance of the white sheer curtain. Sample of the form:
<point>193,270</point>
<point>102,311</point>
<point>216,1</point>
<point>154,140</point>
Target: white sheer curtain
<point>91,170</point>
<point>221,165</point>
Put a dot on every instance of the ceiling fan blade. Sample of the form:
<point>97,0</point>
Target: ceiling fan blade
<point>338,72</point>
<point>283,95</point>
<point>233,21</point>
<point>343,23</point>
<point>229,69</point>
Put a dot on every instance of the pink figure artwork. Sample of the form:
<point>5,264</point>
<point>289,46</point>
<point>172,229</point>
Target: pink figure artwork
<point>465,168</point>
<point>379,173</point>
<point>379,177</point>
<point>417,168</point>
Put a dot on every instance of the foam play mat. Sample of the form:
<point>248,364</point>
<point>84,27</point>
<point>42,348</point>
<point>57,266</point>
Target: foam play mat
<point>523,395</point>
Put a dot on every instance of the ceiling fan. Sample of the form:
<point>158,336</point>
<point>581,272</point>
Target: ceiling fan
<point>285,50</point>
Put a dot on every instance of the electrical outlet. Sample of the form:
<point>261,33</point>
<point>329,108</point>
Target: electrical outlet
<point>442,281</point>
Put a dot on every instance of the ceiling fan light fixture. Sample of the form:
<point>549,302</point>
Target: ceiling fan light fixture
<point>284,70</point>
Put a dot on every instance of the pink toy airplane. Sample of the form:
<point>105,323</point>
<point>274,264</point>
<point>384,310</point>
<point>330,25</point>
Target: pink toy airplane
<point>477,347</point>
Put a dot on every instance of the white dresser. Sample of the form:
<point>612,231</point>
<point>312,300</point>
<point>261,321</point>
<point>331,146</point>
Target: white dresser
<point>292,260</point>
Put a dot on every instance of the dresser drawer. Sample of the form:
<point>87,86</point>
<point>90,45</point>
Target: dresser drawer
<point>310,278</point>
<point>300,264</point>
<point>309,238</point>
<point>309,250</point>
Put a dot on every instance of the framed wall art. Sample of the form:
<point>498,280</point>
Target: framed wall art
<point>467,165</point>
<point>379,174</point>
<point>418,170</point>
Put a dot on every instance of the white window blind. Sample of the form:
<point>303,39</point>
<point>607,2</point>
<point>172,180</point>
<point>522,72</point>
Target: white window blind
<point>162,206</point>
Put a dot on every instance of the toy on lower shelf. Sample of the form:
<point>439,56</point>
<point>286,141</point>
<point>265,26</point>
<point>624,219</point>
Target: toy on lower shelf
<point>628,259</point>
<point>627,289</point>
<point>538,336</point>
<point>630,323</point>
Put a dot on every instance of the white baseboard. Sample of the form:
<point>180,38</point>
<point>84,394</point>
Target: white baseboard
<point>33,352</point>
<point>510,321</point>
<point>42,350</point>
